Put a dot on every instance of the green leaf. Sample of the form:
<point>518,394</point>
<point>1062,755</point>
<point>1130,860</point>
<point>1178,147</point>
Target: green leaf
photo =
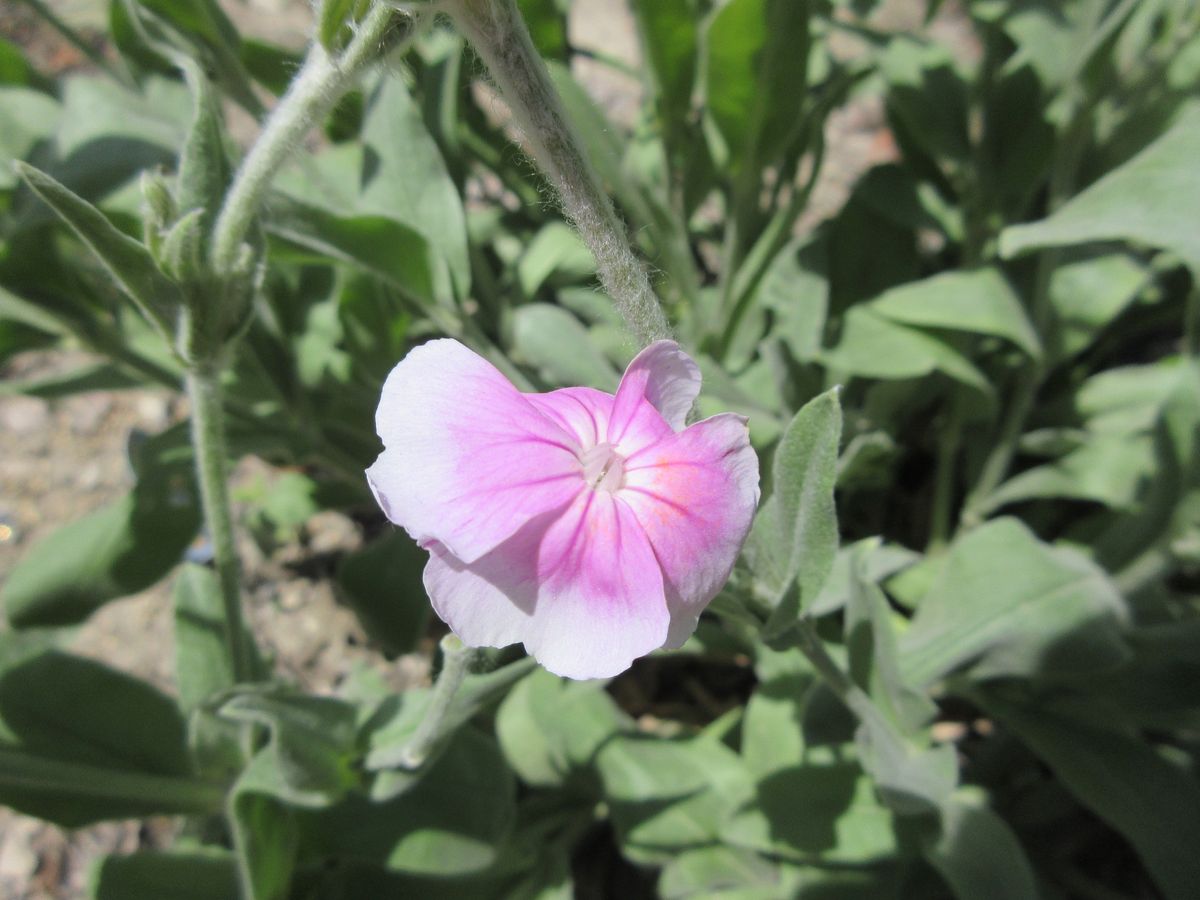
<point>390,250</point>
<point>118,550</point>
<point>910,776</point>
<point>77,709</point>
<point>15,69</point>
<point>204,168</point>
<point>871,346</point>
<point>1005,604</point>
<point>877,562</point>
<point>382,583</point>
<point>102,376</point>
<point>772,738</point>
<point>1088,295</point>
<point>203,28</point>
<point>1050,36</point>
<point>335,15</point>
<point>405,178</point>
<point>202,663</point>
<point>669,44</point>
<point>796,291</point>
<point>396,721</point>
<point>266,835</point>
<point>550,728</point>
<point>108,135</point>
<point>978,854</point>
<point>796,533</point>
<point>1108,469</point>
<point>756,58</point>
<point>980,301</point>
<point>1147,200</point>
<point>452,821</point>
<point>547,25</point>
<point>203,667</point>
<point>556,249</point>
<point>206,873</point>
<point>80,742</point>
<point>26,117</point>
<point>126,260</point>
<point>705,872</point>
<point>27,312</point>
<point>927,97</point>
<point>312,747</point>
<point>1153,802</point>
<point>556,343</point>
<point>669,795</point>
<point>822,811</point>
<point>73,794</point>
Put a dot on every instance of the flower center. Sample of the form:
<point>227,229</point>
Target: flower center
<point>603,468</point>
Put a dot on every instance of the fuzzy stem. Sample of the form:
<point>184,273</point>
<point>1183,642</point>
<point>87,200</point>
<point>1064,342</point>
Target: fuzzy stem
<point>314,91</point>
<point>836,679</point>
<point>499,35</point>
<point>208,439</point>
<point>456,661</point>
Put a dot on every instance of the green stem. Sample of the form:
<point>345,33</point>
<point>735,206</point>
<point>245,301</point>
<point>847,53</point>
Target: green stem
<point>836,679</point>
<point>499,35</point>
<point>162,793</point>
<point>943,490</point>
<point>1149,566</point>
<point>313,93</point>
<point>456,662</point>
<point>995,467</point>
<point>1191,323</point>
<point>208,440</point>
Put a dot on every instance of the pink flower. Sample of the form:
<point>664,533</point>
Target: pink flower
<point>593,528</point>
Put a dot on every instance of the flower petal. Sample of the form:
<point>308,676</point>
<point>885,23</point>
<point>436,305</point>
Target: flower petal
<point>487,603</point>
<point>601,603</point>
<point>694,494</point>
<point>468,459</point>
<point>582,590</point>
<point>663,375</point>
<point>581,411</point>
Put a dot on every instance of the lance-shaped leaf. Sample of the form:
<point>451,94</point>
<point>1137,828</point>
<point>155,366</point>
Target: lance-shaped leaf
<point>1152,199</point>
<point>116,551</point>
<point>1152,801</point>
<point>1007,604</point>
<point>80,742</point>
<point>336,16</point>
<point>795,535</point>
<point>756,64</point>
<point>206,873</point>
<point>977,853</point>
<point>980,301</point>
<point>128,261</point>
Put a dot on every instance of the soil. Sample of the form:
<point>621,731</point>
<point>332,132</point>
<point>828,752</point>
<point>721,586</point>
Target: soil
<point>61,459</point>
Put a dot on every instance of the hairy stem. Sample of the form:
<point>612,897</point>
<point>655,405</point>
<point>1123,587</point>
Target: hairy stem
<point>499,35</point>
<point>318,86</point>
<point>836,679</point>
<point>456,661</point>
<point>208,440</point>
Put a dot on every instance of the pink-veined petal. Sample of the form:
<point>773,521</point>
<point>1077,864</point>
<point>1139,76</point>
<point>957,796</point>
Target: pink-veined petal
<point>665,377</point>
<point>694,494</point>
<point>487,603</point>
<point>581,411</point>
<point>582,590</point>
<point>468,459</point>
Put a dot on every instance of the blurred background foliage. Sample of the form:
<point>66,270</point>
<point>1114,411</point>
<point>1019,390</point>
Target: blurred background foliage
<point>980,679</point>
